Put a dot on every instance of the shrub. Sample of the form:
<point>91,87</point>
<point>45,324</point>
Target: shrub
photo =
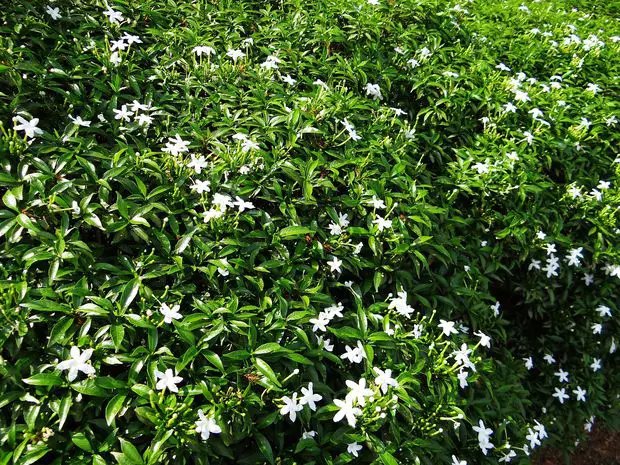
<point>268,232</point>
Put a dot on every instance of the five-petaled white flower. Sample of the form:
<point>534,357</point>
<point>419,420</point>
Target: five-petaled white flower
<point>358,392</point>
<point>54,12</point>
<point>346,411</point>
<point>29,127</point>
<point>580,393</point>
<point>561,395</point>
<point>114,16</point>
<point>201,186</point>
<point>196,163</point>
<point>354,448</point>
<point>235,54</point>
<point>309,397</point>
<point>77,363</point>
<point>176,145</point>
<point>335,264</point>
<point>168,380</point>
<point>206,426</point>
<point>79,121</point>
<point>242,205</point>
<point>291,406</point>
<point>384,379</point>
<point>170,313</point>
<point>447,327</point>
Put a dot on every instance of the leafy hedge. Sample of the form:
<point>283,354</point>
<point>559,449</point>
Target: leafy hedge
<point>321,232</point>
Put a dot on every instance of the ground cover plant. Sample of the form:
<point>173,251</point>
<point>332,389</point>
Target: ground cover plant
<point>323,232</point>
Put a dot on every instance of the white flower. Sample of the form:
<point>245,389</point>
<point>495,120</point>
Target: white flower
<point>562,375</point>
<point>118,45</point>
<point>29,127</point>
<point>206,425</point>
<point>79,121</point>
<point>580,393</point>
<point>167,380</point>
<point>484,433</point>
<point>560,394</point>
<point>309,397</point>
<point>196,163</point>
<point>382,223</point>
<point>462,356</point>
<point>354,447</point>
<point>201,186</point>
<point>596,364</point>
<point>529,363</point>
<point>510,108</point>
<point>358,392</point>
<point>326,344</point>
<point>222,201</point>
<point>384,379</point>
<point>335,229</point>
<point>320,323</point>
<point>212,213</point>
<point>574,255</point>
<point>170,313</point>
<point>54,12</point>
<point>335,265</point>
<point>114,16</point>
<point>481,168</point>
<point>495,308</point>
<point>400,304</point>
<point>532,436</point>
<point>604,185</point>
<point>447,327</point>
<point>308,434</point>
<point>115,58</point>
<point>354,355</point>
<point>123,114</point>
<point>373,90</point>
<point>77,363</point>
<point>377,203</point>
<point>242,205</point>
<point>346,411</point>
<point>603,310</point>
<point>597,328</point>
<point>485,341</point>
<point>485,446</point>
<point>462,377</point>
<point>203,50</point>
<point>235,55</point>
<point>456,461</point>
<point>289,80</point>
<point>131,39</point>
<point>291,406</point>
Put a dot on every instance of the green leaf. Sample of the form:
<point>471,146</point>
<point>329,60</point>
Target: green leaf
<point>214,360</point>
<point>59,330</point>
<point>268,348</point>
<point>44,379</point>
<point>114,406</point>
<point>184,242</point>
<point>264,446</point>
<point>129,293</point>
<point>63,410</point>
<point>130,451</point>
<point>266,370</point>
<point>80,440</point>
<point>118,333</point>
<point>294,232</point>
<point>10,201</point>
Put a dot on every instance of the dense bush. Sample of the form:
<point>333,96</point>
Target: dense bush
<point>321,232</point>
